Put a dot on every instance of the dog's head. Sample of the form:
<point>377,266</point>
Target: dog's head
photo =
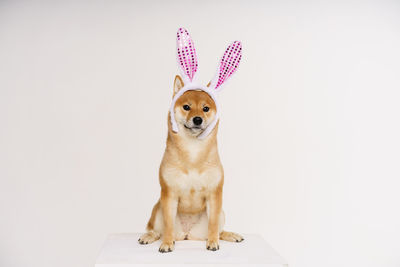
<point>194,110</point>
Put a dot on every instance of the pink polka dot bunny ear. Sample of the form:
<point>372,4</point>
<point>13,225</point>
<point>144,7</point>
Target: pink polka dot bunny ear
<point>186,54</point>
<point>228,65</point>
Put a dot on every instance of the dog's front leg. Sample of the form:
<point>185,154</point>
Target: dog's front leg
<point>214,207</point>
<point>169,205</point>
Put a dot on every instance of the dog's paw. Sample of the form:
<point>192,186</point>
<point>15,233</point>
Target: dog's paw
<point>212,245</point>
<point>148,238</point>
<point>166,247</point>
<point>231,237</point>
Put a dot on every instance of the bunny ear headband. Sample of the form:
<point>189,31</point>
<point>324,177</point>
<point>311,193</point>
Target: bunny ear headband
<point>187,61</point>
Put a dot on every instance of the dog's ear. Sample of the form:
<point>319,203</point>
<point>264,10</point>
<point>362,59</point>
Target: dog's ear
<point>227,66</point>
<point>178,84</point>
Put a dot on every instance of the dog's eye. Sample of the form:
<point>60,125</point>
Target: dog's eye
<point>186,107</point>
<point>206,109</point>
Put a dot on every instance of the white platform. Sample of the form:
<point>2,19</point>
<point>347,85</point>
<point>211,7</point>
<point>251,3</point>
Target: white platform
<point>123,250</point>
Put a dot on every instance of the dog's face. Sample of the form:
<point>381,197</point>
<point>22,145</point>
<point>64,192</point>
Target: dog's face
<point>195,110</point>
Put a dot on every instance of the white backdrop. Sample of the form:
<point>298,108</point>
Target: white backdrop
<point>309,135</point>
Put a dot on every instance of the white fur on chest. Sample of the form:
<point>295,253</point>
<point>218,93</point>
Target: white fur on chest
<point>185,182</point>
<point>194,147</point>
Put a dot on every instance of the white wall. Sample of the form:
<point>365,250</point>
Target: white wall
<point>309,135</point>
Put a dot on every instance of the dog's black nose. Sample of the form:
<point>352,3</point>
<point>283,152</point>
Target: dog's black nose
<point>197,120</point>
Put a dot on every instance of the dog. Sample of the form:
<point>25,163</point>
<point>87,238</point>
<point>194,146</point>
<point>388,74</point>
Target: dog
<point>191,174</point>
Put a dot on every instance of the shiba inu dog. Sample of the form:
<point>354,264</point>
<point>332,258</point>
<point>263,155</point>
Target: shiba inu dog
<point>191,174</point>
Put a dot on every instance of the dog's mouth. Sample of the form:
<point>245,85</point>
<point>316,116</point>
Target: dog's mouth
<point>193,128</point>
